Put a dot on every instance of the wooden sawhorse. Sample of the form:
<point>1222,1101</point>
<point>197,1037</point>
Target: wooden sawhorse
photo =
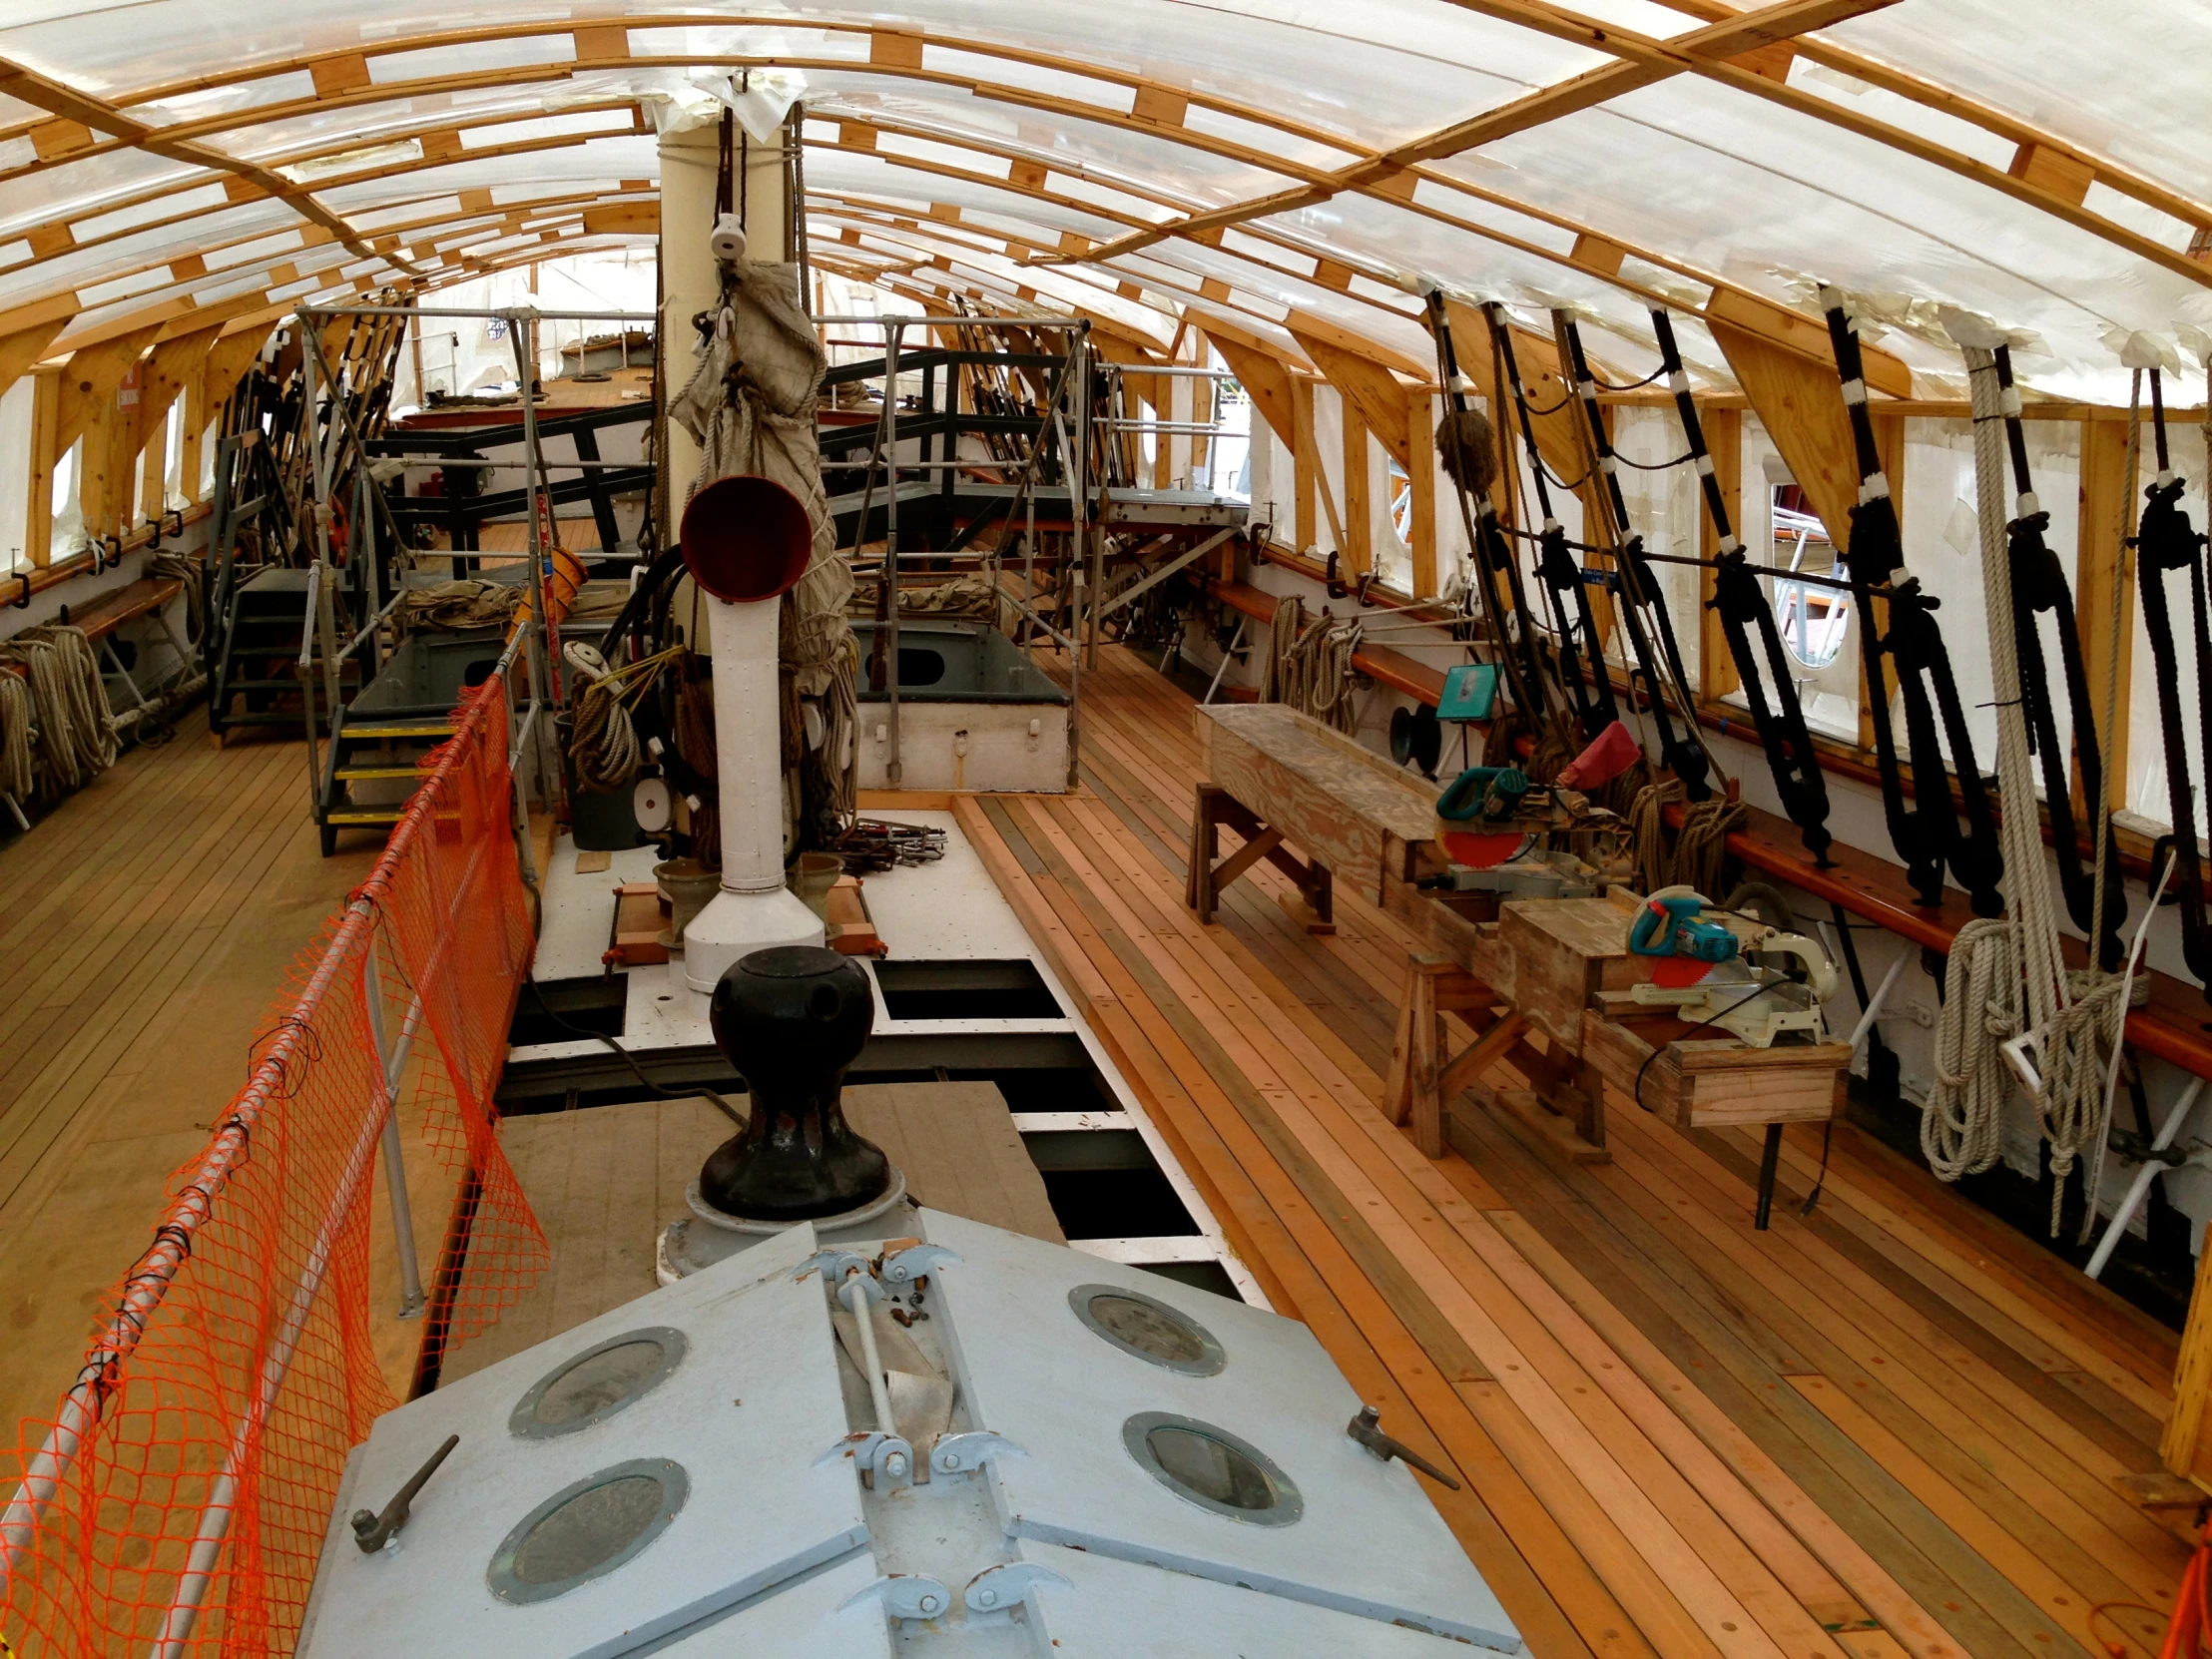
<point>1567,1104</point>
<point>1216,807</point>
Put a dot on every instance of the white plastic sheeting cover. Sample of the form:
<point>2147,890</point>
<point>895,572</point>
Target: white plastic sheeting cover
<point>414,104</point>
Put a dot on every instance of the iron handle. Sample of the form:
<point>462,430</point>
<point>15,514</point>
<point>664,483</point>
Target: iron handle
<point>373,1531</point>
<point>1364,1430</point>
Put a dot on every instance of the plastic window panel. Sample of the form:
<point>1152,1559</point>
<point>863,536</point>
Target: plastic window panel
<point>76,190</point>
<point>507,196</point>
<point>357,124</point>
<point>14,111</point>
<point>1159,163</point>
<point>231,97</point>
<point>124,288</point>
<point>2139,217</point>
<point>1267,140</point>
<point>14,253</point>
<point>887,186</point>
<point>1429,192</point>
<point>381,218</point>
<point>1037,78</point>
<point>165,205</point>
<point>261,247</point>
<point>944,154</point>
<point>2133,87</point>
<point>581,122</point>
<point>582,167</point>
<point>477,56</point>
<point>16,153</point>
<point>690,43</point>
<point>1799,208</point>
<point>1861,98</point>
<point>90,265</point>
<point>1247,245</point>
<point>1364,230</point>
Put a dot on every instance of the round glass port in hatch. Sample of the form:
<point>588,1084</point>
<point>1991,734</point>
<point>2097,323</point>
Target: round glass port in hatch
<point>1148,1328</point>
<point>1213,1468</point>
<point>587,1529</point>
<point>596,1383</point>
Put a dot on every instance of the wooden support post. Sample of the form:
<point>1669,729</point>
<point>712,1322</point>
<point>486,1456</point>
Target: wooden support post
<point>2104,587</point>
<point>1202,887</point>
<point>2178,1446</point>
<point>1359,524</point>
<point>1420,477</point>
<point>38,520</point>
<point>1724,436</point>
<point>1305,463</point>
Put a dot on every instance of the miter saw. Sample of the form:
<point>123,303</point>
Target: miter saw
<point>1707,975</point>
<point>1507,836</point>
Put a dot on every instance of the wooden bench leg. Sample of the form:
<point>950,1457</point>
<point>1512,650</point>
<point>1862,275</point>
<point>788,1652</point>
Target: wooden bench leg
<point>1409,1091</point>
<point>1205,816</point>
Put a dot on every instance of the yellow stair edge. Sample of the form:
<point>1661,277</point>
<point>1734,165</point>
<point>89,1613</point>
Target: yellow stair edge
<point>443,730</point>
<point>390,816</point>
<point>383,772</point>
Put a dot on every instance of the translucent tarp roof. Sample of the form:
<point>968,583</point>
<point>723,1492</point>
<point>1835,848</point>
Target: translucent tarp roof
<point>1266,161</point>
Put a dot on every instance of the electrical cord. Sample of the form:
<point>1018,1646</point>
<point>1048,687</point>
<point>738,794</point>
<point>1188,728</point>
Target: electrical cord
<point>631,1060</point>
<point>1636,1091</point>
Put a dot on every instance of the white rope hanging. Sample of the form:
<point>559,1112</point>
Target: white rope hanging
<point>2008,973</point>
<point>16,720</point>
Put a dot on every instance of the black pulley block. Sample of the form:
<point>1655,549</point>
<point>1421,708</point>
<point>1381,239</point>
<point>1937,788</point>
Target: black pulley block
<point>790,1020</point>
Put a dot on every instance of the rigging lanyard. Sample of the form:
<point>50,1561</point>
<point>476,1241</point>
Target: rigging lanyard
<point>1683,755</point>
<point>2039,585</point>
<point>1926,831</point>
<point>1492,556</point>
<point>1592,696</point>
<point>1743,604</point>
<point>2165,540</point>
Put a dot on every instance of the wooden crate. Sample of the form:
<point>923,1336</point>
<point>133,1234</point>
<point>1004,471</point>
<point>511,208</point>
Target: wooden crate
<point>1341,804</point>
<point>1713,1080</point>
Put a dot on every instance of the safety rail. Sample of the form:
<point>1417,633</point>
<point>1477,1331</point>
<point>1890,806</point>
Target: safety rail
<point>176,1502</point>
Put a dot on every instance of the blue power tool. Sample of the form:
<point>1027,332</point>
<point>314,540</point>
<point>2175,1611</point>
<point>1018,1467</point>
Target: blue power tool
<point>1671,923</point>
<point>1494,794</point>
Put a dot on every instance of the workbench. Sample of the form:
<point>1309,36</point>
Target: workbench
<point>1276,776</point>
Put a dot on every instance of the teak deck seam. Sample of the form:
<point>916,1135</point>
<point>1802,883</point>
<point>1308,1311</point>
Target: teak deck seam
<point>1886,1429</point>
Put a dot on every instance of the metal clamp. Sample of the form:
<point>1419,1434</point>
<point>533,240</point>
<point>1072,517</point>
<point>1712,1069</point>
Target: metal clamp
<point>22,602</point>
<point>887,1457</point>
<point>1382,1447</point>
<point>373,1531</point>
<point>914,1261</point>
<point>905,1596</point>
<point>964,1454</point>
<point>1006,1587</point>
<point>837,1266</point>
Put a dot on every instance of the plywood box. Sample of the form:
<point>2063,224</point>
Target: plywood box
<point>1713,1080</point>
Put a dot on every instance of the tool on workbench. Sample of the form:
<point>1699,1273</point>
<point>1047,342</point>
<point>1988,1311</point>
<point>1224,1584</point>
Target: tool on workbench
<point>1707,975</point>
<point>1507,836</point>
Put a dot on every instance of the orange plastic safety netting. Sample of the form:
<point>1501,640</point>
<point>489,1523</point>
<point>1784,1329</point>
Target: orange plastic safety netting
<point>178,1501</point>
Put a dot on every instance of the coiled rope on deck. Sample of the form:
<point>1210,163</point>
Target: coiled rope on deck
<point>16,721</point>
<point>76,727</point>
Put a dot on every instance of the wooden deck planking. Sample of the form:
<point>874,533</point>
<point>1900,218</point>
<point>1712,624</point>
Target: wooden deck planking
<point>148,922</point>
<point>1890,1427</point>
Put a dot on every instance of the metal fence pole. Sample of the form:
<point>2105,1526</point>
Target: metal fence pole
<point>412,1299</point>
<point>894,769</point>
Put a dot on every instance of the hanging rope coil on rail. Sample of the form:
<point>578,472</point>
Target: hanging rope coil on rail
<point>1309,668</point>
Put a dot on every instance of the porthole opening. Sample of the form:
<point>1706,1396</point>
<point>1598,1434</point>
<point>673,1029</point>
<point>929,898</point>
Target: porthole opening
<point>588,1529</point>
<point>1148,1328</point>
<point>1213,1468</point>
<point>596,1383</point>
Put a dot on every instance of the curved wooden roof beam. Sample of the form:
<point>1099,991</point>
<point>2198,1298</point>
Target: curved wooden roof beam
<point>77,115</point>
<point>1593,253</point>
